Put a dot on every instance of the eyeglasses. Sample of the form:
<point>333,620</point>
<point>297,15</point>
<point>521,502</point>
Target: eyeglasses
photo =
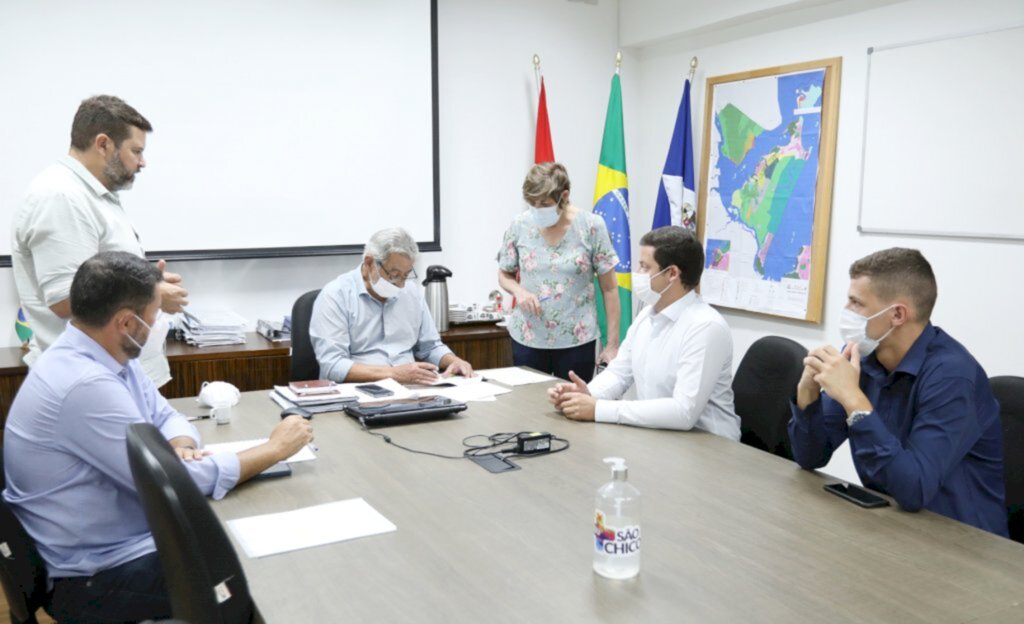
<point>395,275</point>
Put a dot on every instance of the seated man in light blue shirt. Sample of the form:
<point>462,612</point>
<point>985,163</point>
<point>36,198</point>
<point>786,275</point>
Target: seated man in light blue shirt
<point>66,460</point>
<point>368,324</point>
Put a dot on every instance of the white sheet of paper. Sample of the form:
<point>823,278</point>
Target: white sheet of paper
<point>305,454</point>
<point>513,376</point>
<point>270,534</point>
<point>841,465</point>
<point>479,391</point>
<point>457,380</point>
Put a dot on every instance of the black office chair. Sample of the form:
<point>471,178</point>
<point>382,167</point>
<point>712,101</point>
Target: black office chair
<point>204,577</point>
<point>304,364</point>
<point>764,383</point>
<point>1009,391</point>
<point>22,570</point>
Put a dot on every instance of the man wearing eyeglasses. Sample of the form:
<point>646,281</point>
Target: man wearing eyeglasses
<point>372,323</point>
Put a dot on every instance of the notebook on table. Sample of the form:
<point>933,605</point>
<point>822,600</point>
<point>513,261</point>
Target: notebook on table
<point>404,411</point>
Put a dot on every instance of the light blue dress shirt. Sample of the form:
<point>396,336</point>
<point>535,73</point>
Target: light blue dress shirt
<point>66,460</point>
<point>349,326</point>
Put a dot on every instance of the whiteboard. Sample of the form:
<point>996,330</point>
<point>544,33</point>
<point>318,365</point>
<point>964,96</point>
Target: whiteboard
<point>944,137</point>
<point>280,128</point>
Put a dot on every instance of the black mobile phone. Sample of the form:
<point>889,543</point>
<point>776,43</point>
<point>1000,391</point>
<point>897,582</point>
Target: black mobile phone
<point>856,495</point>
<point>280,469</point>
<point>494,463</point>
<point>374,390</point>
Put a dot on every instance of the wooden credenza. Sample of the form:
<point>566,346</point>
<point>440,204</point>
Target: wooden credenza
<point>259,364</point>
<point>483,346</point>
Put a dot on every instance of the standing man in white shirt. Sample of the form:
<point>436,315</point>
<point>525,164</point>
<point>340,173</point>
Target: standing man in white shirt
<point>678,352</point>
<point>72,211</point>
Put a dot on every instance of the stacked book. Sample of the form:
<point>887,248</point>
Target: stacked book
<point>315,396</point>
<point>211,327</point>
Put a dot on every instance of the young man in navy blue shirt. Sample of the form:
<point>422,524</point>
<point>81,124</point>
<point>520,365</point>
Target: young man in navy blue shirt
<point>917,408</point>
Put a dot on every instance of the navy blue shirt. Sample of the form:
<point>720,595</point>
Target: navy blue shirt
<point>934,440</point>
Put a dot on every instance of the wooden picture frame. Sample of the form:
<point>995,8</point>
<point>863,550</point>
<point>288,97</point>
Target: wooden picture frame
<point>779,223</point>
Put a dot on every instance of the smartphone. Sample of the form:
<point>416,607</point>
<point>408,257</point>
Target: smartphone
<point>856,495</point>
<point>280,469</point>
<point>492,462</point>
<point>374,390</point>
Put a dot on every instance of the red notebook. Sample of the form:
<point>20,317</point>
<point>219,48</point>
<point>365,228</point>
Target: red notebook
<point>313,386</point>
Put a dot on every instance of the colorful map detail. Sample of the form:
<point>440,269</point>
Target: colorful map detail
<point>768,176</point>
<point>716,255</point>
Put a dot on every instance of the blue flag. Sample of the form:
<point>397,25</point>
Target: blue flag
<point>676,198</point>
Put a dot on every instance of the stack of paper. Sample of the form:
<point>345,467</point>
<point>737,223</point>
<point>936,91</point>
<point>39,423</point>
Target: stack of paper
<point>208,327</point>
<point>274,331</point>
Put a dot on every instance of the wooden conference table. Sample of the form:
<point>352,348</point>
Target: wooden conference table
<point>730,533</point>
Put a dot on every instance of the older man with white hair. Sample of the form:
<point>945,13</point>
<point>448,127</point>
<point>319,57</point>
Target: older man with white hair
<point>367,325</point>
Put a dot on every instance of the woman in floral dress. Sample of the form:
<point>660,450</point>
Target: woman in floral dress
<point>557,250</point>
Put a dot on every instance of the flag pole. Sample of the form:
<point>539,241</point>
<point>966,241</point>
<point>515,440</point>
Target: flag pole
<point>693,68</point>
<point>536,71</point>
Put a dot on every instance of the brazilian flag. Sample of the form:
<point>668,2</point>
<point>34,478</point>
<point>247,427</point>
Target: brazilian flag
<point>611,201</point>
<point>21,327</point>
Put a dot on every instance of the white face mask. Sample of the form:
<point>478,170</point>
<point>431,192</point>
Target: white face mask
<point>135,342</point>
<point>218,394</point>
<point>853,328</point>
<point>544,217</point>
<point>642,287</point>
<point>383,287</point>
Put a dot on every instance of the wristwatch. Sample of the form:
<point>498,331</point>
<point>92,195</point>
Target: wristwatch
<point>856,417</point>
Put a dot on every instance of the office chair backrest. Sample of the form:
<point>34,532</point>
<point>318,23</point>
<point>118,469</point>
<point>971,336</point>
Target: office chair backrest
<point>304,364</point>
<point>764,383</point>
<point>22,570</point>
<point>1009,391</point>
<point>204,577</point>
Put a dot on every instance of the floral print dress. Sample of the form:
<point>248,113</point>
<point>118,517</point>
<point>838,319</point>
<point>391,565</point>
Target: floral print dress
<point>562,277</point>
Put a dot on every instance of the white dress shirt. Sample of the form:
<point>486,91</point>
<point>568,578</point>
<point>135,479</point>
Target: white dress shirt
<point>66,217</point>
<point>681,362</point>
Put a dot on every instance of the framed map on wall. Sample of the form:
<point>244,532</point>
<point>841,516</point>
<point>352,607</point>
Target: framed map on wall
<point>766,188</point>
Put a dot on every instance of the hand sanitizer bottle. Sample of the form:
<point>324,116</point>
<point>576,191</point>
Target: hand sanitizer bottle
<point>617,525</point>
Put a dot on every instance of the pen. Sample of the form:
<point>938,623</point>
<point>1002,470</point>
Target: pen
<point>313,447</point>
<point>544,298</point>
<point>200,417</point>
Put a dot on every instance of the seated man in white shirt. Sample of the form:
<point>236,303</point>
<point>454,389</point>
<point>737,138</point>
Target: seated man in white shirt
<point>678,351</point>
<point>372,323</point>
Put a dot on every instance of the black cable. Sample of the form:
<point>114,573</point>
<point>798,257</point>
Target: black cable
<point>495,441</point>
<point>387,439</point>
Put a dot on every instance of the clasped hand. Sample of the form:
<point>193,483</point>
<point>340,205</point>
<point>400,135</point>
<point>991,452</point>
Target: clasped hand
<point>835,372</point>
<point>573,399</point>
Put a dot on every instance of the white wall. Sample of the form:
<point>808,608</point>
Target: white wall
<point>644,22</point>
<point>487,109</point>
<point>979,292</point>
<point>486,124</point>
